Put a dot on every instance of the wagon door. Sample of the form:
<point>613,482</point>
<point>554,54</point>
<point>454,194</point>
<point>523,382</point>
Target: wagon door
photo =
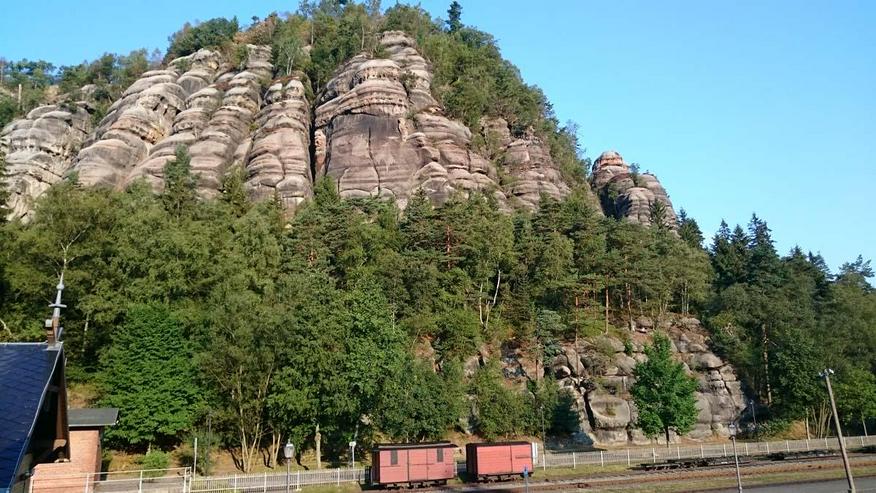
<point>521,457</point>
<point>438,468</point>
<point>418,464</point>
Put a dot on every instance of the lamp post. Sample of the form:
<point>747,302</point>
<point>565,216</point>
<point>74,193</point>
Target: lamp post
<point>753,415</point>
<point>839,432</point>
<point>288,453</point>
<point>352,453</point>
<point>733,428</point>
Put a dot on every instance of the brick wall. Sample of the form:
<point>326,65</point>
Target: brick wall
<point>63,477</point>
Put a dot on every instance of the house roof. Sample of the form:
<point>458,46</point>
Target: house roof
<point>93,417</point>
<point>26,371</point>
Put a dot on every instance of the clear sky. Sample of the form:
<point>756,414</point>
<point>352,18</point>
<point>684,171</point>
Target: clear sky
<point>738,107</point>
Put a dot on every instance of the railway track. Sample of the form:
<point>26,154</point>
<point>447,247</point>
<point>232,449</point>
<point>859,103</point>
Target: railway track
<point>609,479</point>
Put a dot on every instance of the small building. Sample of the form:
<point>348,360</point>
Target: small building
<point>33,410</point>
<point>37,434</point>
<point>85,460</point>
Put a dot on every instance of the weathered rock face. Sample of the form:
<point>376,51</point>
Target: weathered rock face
<point>527,162</point>
<point>279,160</point>
<point>376,129</point>
<point>599,373</point>
<point>640,198</point>
<point>38,150</point>
<point>380,133</point>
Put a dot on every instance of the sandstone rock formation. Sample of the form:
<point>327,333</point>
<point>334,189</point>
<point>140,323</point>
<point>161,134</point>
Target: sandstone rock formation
<point>527,162</point>
<point>599,373</point>
<point>380,133</point>
<point>38,150</point>
<point>376,129</point>
<point>638,197</point>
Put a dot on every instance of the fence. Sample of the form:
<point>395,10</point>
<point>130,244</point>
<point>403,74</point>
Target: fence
<point>276,481</point>
<point>181,480</point>
<point>630,457</point>
<point>146,480</point>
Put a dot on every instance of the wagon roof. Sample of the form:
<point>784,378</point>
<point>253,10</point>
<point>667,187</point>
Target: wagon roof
<point>391,446</point>
<point>491,444</point>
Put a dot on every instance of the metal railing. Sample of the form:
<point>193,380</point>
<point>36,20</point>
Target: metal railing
<point>277,481</point>
<point>143,480</point>
<point>181,480</point>
<point>634,456</point>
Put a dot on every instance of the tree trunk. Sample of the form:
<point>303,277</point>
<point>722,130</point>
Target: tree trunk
<point>276,438</point>
<point>606,309</point>
<point>318,441</point>
<point>666,430</point>
<point>766,366</point>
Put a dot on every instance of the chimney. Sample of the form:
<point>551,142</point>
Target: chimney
<point>50,332</point>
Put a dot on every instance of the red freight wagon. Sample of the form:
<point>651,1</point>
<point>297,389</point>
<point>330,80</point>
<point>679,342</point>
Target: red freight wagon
<point>412,464</point>
<point>497,460</point>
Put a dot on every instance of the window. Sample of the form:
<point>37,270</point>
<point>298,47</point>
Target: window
<point>393,457</point>
<point>440,455</point>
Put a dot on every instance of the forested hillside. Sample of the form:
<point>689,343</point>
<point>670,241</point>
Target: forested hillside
<point>318,313</point>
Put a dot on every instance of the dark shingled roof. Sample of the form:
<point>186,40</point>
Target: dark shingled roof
<point>92,417</point>
<point>25,373</point>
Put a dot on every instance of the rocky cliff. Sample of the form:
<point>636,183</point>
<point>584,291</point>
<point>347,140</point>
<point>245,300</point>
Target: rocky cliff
<point>39,149</point>
<point>376,129</point>
<point>626,193</point>
<point>599,373</point>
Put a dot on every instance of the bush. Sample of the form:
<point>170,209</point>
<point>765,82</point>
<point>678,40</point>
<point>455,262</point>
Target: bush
<point>154,461</point>
<point>211,34</point>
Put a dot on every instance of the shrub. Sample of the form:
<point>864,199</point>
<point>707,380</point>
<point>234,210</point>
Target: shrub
<point>210,34</point>
<point>154,461</point>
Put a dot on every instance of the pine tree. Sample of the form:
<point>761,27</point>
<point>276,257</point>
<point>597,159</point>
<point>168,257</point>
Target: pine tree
<point>454,17</point>
<point>664,394</point>
<point>689,230</point>
<point>179,184</point>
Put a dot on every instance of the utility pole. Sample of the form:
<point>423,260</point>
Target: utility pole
<point>733,430</point>
<point>839,432</point>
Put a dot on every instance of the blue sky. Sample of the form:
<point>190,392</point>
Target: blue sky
<point>738,107</point>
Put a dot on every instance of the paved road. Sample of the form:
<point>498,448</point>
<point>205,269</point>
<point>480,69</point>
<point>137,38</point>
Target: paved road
<point>829,486</point>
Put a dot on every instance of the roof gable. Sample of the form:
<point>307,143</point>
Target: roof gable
<point>26,371</point>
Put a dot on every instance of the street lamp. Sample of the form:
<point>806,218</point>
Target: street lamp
<point>288,453</point>
<point>733,430</point>
<point>753,415</point>
<point>839,432</point>
<point>352,453</point>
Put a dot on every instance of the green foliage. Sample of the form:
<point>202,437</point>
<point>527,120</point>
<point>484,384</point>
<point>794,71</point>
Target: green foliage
<point>417,403</point>
<point>454,14</point>
<point>147,374</point>
<point>154,461</point>
<point>500,413</point>
<point>213,33</point>
<point>856,394</point>
<point>314,320</point>
<point>689,231</point>
<point>663,392</point>
<point>780,320</point>
<point>180,184</point>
